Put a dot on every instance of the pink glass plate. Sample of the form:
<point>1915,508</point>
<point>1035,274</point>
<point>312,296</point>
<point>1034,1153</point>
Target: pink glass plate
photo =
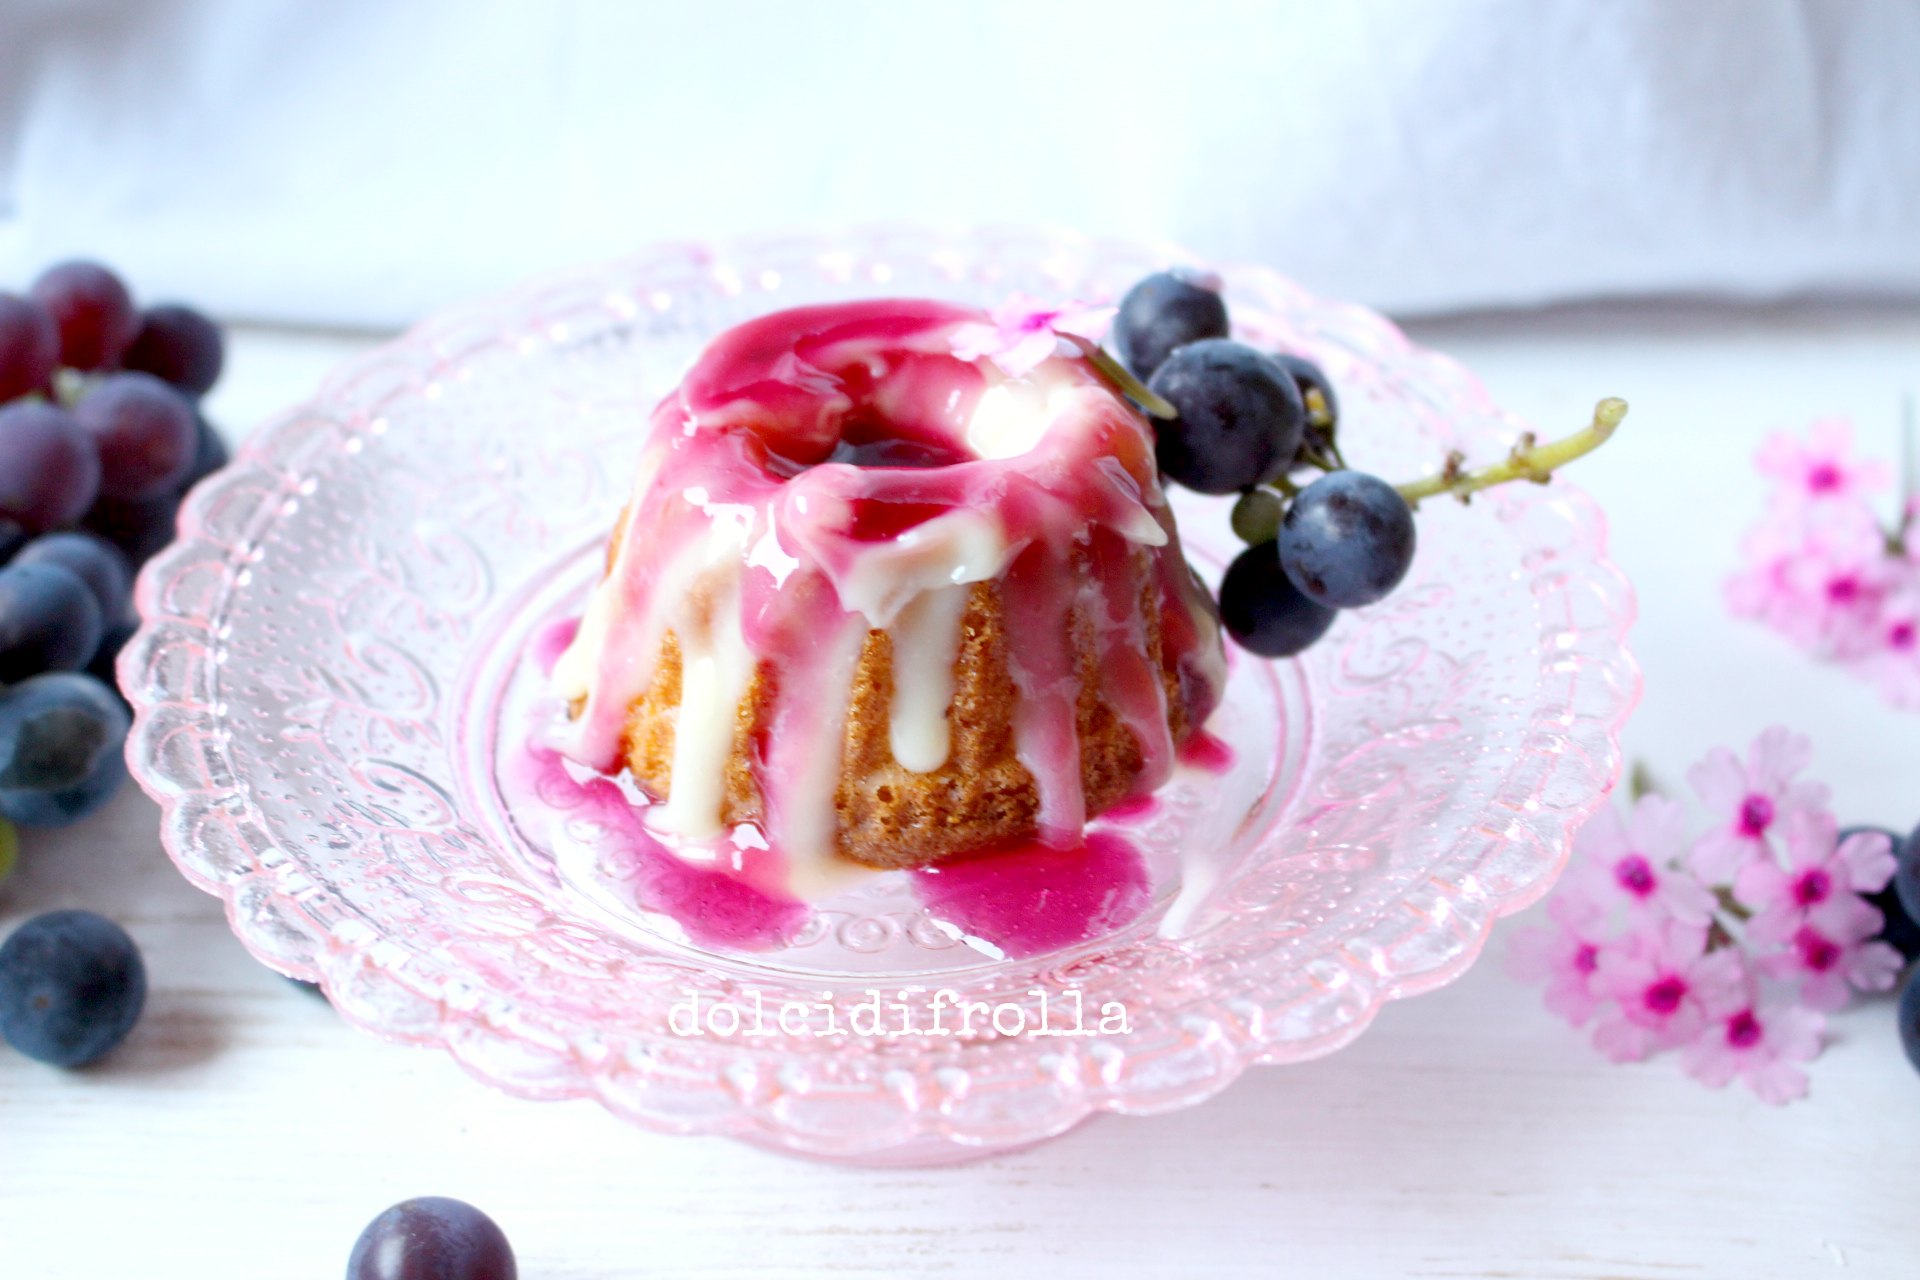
<point>333,674</point>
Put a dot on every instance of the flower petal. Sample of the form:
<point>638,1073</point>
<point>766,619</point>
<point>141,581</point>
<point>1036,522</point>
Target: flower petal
<point>1868,859</point>
<point>1776,755</point>
<point>1719,780</point>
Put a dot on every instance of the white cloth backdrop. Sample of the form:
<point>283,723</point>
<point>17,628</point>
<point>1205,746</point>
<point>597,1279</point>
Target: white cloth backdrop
<point>361,162</point>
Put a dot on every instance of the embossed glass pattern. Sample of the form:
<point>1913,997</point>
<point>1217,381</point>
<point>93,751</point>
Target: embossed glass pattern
<point>333,666</point>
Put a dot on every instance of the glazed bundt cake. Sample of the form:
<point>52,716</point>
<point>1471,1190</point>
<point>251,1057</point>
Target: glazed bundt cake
<point>887,603</point>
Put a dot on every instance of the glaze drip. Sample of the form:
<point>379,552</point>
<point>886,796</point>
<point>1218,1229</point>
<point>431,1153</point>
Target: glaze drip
<point>828,473</point>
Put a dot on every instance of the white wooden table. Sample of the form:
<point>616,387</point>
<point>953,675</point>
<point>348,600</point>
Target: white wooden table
<point>244,1132</point>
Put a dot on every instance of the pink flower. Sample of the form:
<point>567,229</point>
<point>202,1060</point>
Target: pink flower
<point>1756,1043</point>
<point>1766,588</point>
<point>1821,584</point>
<point>1749,801</point>
<point>1635,861</point>
<point>1818,868</point>
<point>1022,333</point>
<point>1841,581</point>
<point>1820,470</point>
<point>1565,953</point>
<point>1892,660</point>
<point>1662,981</point>
<point>1829,952</point>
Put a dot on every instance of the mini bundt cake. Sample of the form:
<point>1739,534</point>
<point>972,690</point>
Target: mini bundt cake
<point>888,603</point>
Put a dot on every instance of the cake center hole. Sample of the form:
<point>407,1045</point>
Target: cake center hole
<point>871,441</point>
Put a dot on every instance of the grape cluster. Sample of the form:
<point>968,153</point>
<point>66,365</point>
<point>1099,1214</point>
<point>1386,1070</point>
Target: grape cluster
<point>100,435</point>
<point>1248,421</point>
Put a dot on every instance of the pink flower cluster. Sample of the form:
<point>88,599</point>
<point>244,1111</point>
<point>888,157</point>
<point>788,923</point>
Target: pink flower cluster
<point>1822,570</point>
<point>1728,945</point>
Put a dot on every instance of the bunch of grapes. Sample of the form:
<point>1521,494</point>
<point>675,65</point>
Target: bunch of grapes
<point>1320,536</point>
<point>100,435</point>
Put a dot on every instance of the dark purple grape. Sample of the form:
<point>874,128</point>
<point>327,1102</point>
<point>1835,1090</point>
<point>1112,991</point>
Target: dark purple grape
<point>1311,379</point>
<point>145,431</point>
<point>1263,611</point>
<point>1906,876</point>
<point>49,621</point>
<point>1899,930</point>
<point>209,454</point>
<point>92,310</point>
<point>432,1238</point>
<point>1348,539</point>
<point>102,667</point>
<point>1323,408</point>
<point>13,536</point>
<point>72,985</point>
<point>179,346</point>
<point>1166,310</point>
<point>92,559</point>
<point>49,468</point>
<point>29,346</point>
<point>1240,419</point>
<point>137,528</point>
<point>62,740</point>
<point>1909,1016</point>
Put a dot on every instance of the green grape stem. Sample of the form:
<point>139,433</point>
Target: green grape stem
<point>1121,377</point>
<point>1641,782</point>
<point>1528,460</point>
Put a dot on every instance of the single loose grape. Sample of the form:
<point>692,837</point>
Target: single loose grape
<point>1348,539</point>
<point>432,1238</point>
<point>72,985</point>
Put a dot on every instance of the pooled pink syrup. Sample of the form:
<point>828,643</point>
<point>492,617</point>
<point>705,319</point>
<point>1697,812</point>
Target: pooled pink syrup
<point>1032,898</point>
<point>1206,752</point>
<point>738,906</point>
<point>1024,900</point>
<point>1133,809</point>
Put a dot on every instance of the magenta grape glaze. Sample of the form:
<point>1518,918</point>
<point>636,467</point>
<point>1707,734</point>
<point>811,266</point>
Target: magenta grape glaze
<point>338,655</point>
